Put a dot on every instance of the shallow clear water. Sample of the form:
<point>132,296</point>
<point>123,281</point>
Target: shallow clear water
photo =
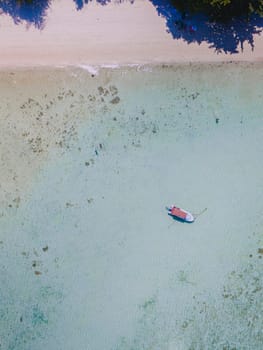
<point>89,257</point>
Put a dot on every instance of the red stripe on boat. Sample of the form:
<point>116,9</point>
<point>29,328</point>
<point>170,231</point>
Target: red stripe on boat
<point>178,212</point>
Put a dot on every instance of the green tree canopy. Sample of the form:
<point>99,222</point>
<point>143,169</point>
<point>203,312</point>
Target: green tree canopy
<point>221,9</point>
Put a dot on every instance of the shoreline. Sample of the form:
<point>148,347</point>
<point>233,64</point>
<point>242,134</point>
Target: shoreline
<point>124,34</point>
<point>94,69</point>
<point>96,64</point>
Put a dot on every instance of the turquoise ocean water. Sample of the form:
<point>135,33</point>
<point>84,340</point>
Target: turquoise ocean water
<point>89,257</point>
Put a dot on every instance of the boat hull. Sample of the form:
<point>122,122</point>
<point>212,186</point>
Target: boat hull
<point>180,214</point>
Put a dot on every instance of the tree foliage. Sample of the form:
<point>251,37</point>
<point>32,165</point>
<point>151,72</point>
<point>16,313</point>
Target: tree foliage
<point>221,9</point>
<point>35,11</point>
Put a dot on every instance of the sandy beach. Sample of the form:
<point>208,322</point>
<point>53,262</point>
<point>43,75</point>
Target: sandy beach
<point>116,33</point>
<point>106,119</point>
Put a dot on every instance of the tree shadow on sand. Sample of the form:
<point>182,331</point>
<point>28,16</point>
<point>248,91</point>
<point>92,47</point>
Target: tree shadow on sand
<point>31,12</point>
<point>34,12</point>
<point>80,3</point>
<point>222,37</point>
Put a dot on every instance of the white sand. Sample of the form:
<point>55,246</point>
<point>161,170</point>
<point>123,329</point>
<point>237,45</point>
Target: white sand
<point>113,34</point>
